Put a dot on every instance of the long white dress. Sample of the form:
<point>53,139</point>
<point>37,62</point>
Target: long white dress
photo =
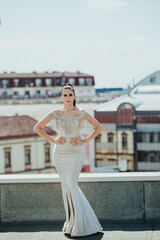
<point>80,217</point>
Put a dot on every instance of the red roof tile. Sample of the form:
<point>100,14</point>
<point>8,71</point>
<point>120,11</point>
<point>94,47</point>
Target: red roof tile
<point>18,126</point>
<point>47,74</point>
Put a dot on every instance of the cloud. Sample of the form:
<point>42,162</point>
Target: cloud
<point>107,5</point>
<point>137,39</point>
<point>29,43</point>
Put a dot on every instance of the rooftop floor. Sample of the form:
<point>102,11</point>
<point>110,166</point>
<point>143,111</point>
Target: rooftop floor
<point>54,232</point>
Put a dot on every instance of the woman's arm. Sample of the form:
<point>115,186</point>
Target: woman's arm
<point>97,128</point>
<point>38,128</point>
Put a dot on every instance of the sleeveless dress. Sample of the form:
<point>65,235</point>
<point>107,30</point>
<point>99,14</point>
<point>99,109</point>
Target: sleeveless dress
<point>80,217</point>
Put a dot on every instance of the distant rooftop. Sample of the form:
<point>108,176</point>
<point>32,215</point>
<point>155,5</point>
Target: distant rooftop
<point>143,99</point>
<point>45,74</point>
<point>145,96</point>
<point>18,126</point>
<point>103,90</point>
<point>148,89</point>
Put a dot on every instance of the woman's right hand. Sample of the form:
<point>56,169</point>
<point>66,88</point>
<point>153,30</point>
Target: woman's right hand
<point>60,140</point>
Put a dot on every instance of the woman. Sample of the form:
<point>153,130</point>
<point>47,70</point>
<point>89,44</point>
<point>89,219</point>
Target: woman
<point>69,155</point>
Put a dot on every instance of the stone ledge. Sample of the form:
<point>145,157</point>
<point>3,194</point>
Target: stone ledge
<point>83,177</point>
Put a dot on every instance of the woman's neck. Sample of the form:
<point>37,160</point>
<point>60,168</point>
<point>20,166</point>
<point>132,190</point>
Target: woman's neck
<point>69,108</point>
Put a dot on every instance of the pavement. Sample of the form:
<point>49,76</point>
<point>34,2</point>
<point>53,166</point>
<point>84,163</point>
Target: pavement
<point>54,232</point>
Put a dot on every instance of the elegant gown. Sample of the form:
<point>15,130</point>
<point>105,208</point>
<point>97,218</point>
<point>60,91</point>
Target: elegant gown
<point>68,159</point>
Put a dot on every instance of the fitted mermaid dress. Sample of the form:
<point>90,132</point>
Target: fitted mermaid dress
<point>68,159</point>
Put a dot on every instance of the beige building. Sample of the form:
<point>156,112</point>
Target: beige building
<point>21,149</point>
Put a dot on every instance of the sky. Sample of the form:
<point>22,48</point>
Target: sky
<point>116,41</point>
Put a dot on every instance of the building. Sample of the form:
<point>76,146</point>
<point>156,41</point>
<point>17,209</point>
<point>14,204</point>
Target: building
<point>44,85</point>
<point>21,149</point>
<point>131,136</point>
<point>108,94</point>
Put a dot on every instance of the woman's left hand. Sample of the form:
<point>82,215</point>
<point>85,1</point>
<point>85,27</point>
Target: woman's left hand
<point>76,141</point>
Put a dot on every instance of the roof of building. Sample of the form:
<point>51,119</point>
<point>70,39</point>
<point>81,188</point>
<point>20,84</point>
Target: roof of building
<point>143,98</point>
<point>45,74</point>
<point>156,73</point>
<point>19,126</point>
<point>102,90</point>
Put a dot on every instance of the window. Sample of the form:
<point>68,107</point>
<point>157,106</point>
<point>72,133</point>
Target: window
<point>60,81</point>
<point>158,137</point>
<point>153,79</point>
<point>47,152</point>
<point>140,137</point>
<point>125,106</point>
<point>7,157</point>
<point>81,81</point>
<point>72,81</point>
<point>5,83</point>
<point>151,137</point>
<point>142,156</point>
<point>16,82</point>
<point>152,157</point>
<point>48,82</point>
<point>27,155</point>
<point>38,93</point>
<point>27,93</point>
<point>124,141</point>
<point>28,83</point>
<point>145,137</point>
<point>38,82</point>
<point>110,137</point>
<point>98,138</point>
<point>63,81</point>
<point>89,81</point>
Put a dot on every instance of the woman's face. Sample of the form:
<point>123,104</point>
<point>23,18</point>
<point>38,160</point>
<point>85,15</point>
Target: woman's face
<point>68,96</point>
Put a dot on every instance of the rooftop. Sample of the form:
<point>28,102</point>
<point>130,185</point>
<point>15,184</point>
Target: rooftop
<point>45,74</point>
<point>18,126</point>
<point>144,99</point>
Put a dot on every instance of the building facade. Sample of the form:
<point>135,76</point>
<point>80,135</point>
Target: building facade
<point>131,137</point>
<point>21,149</point>
<point>44,85</point>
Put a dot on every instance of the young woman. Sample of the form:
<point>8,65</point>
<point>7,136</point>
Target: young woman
<point>69,155</point>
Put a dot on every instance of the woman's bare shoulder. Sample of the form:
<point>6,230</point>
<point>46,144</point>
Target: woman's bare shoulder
<point>56,111</point>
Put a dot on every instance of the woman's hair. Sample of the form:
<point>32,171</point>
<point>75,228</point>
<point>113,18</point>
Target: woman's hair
<point>69,86</point>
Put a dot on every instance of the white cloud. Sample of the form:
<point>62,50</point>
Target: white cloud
<point>107,5</point>
<point>29,43</point>
<point>137,39</point>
